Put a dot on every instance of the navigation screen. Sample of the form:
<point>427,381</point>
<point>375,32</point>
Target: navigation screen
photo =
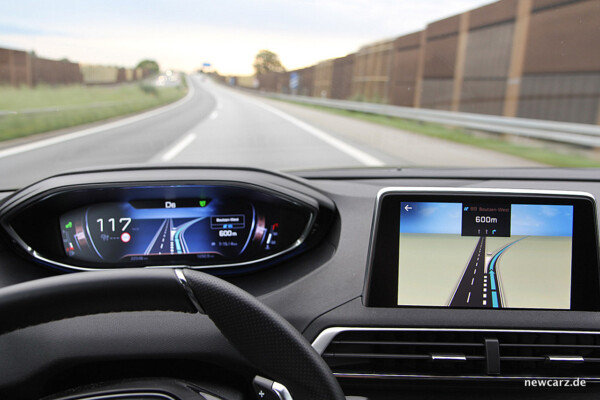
<point>485,255</point>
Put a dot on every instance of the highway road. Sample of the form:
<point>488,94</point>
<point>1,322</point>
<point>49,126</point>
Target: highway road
<point>472,290</point>
<point>162,242</point>
<point>479,285</point>
<point>218,125</point>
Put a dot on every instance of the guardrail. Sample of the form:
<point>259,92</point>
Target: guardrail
<point>562,132</point>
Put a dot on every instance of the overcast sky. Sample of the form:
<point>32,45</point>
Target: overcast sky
<point>183,34</point>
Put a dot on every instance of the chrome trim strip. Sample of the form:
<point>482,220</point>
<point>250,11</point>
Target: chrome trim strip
<point>188,290</point>
<point>473,190</point>
<point>566,358</point>
<point>281,391</point>
<point>448,357</point>
<point>455,377</point>
<point>129,394</point>
<point>326,336</point>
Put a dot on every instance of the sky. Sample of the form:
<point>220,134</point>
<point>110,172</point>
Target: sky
<point>541,220</point>
<point>429,217</point>
<point>184,34</point>
<point>525,219</point>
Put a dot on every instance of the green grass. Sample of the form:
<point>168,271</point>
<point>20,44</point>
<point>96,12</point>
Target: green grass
<point>76,105</point>
<point>537,154</point>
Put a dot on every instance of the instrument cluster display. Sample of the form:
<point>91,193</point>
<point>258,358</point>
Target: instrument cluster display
<point>222,220</point>
<point>194,230</point>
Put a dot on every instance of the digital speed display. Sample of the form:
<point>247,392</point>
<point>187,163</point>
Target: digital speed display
<point>205,230</point>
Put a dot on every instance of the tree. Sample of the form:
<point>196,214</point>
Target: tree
<point>267,61</point>
<point>149,65</point>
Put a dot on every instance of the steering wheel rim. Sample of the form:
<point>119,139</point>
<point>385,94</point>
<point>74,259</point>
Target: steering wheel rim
<point>261,335</point>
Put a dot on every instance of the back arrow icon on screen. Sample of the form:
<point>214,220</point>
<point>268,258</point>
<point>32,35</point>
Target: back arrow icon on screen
<point>407,207</point>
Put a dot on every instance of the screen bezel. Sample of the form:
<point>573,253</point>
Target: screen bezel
<point>381,287</point>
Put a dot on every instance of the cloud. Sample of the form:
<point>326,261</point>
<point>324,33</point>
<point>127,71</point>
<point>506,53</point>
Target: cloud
<point>428,211</point>
<point>183,34</point>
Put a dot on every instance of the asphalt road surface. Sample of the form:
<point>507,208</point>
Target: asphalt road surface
<point>479,286</point>
<point>217,125</point>
<point>162,243</point>
<point>473,290</point>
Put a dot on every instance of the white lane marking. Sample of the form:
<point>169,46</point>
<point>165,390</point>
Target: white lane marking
<point>11,151</point>
<point>472,279</point>
<point>484,302</point>
<point>353,152</point>
<point>172,152</point>
<point>475,272</point>
<point>179,147</point>
<point>484,288</point>
<point>484,295</point>
<point>469,297</point>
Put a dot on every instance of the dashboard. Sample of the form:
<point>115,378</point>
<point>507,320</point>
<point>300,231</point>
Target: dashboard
<point>383,271</point>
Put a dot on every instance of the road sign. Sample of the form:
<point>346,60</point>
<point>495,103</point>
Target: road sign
<point>294,80</point>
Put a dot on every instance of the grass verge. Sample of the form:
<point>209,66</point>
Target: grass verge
<point>537,154</point>
<point>47,108</point>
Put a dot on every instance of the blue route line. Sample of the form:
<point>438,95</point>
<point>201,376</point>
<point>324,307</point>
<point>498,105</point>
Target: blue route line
<point>176,240</point>
<point>491,273</point>
<point>181,230</point>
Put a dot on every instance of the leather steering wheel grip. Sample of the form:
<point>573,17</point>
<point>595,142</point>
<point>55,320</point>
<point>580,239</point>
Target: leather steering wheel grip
<point>267,340</point>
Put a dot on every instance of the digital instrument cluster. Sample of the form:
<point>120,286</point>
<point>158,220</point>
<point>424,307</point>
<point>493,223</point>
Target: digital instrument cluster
<point>195,228</point>
<point>211,224</point>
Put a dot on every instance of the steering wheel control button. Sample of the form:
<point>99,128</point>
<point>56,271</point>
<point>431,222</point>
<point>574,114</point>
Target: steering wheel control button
<point>266,389</point>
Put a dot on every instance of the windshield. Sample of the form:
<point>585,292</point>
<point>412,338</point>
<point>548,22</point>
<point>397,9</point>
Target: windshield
<point>297,85</point>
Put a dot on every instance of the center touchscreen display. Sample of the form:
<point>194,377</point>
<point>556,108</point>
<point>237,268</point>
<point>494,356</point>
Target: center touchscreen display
<point>482,255</point>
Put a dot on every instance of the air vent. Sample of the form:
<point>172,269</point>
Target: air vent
<point>414,353</point>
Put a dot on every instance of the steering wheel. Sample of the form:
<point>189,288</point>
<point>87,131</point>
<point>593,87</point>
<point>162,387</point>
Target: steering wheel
<point>262,336</point>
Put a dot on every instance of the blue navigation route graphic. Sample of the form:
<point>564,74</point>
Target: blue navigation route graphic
<point>479,284</point>
<point>485,255</point>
